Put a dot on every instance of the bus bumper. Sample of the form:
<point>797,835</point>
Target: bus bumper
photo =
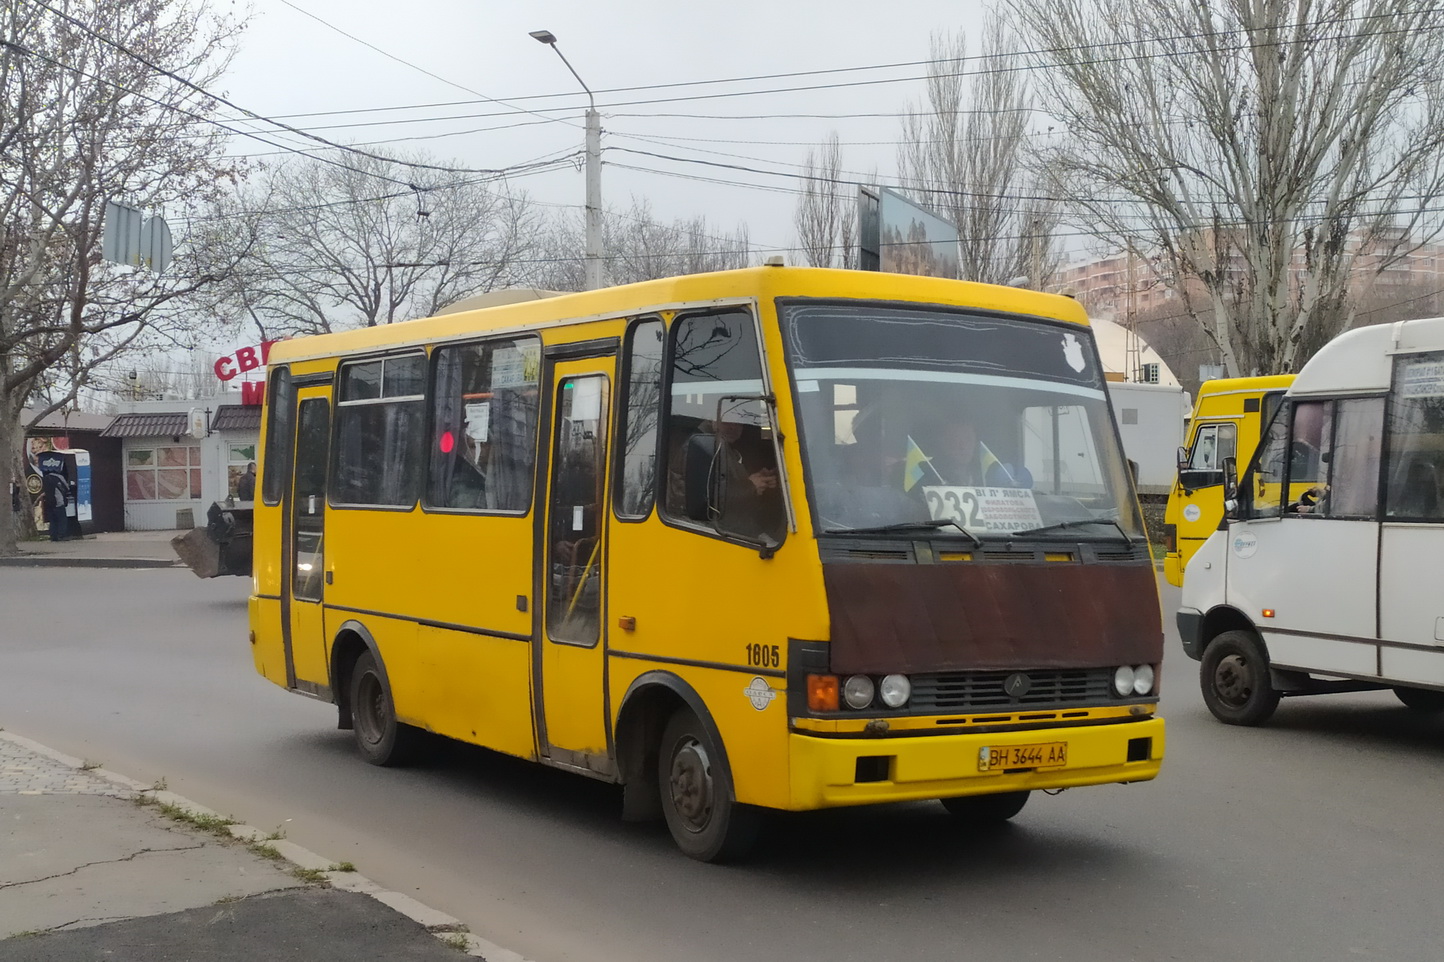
<point>829,772</point>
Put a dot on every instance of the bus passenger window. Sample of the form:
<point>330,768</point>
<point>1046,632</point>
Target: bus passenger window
<point>638,479</point>
<point>721,456</point>
<point>378,432</point>
<point>1352,490</point>
<point>1415,465</point>
<point>484,425</point>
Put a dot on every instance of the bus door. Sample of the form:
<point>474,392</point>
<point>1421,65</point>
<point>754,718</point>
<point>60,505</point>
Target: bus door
<point>303,578</point>
<point>570,654</point>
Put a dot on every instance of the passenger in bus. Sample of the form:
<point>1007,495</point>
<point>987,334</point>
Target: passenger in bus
<point>956,456</point>
<point>726,475</point>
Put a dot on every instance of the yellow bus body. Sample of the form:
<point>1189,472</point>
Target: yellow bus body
<point>1193,513</point>
<point>448,602</point>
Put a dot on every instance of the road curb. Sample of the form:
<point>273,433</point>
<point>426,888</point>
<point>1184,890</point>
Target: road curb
<point>438,923</point>
<point>59,561</point>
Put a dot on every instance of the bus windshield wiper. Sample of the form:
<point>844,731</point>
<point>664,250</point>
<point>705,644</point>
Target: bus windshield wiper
<point>907,526</point>
<point>1059,526</point>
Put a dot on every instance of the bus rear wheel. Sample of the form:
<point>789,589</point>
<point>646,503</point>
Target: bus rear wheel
<point>1421,699</point>
<point>1234,677</point>
<point>984,809</point>
<point>696,788</point>
<point>381,738</point>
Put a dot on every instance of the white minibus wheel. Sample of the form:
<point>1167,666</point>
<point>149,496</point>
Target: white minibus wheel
<point>1234,677</point>
<point>1421,699</point>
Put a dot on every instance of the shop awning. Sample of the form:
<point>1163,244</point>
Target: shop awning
<point>146,426</point>
<point>237,417</point>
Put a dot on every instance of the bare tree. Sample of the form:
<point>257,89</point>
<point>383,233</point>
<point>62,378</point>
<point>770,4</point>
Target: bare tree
<point>98,101</point>
<point>639,247</point>
<point>348,241</point>
<point>1271,153</point>
<point>964,155</point>
<point>826,214</point>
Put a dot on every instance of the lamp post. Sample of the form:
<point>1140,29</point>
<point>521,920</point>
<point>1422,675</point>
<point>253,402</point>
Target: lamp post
<point>594,169</point>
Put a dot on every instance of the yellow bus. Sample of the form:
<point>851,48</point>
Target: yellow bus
<point>768,539</point>
<point>1228,420</point>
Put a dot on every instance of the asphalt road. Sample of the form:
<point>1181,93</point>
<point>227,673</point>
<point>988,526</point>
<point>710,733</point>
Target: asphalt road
<point>1314,838</point>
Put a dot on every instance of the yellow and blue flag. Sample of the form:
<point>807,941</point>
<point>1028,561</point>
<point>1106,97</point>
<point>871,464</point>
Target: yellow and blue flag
<point>913,464</point>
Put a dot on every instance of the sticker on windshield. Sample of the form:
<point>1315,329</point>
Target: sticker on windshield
<point>997,510</point>
<point>1073,352</point>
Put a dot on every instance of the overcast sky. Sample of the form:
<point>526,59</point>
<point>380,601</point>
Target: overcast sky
<point>292,64</point>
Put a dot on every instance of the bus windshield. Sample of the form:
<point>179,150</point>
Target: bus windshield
<point>978,425</point>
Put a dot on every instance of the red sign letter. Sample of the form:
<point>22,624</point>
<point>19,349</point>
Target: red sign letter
<point>246,357</point>
<point>253,392</point>
<point>224,371</point>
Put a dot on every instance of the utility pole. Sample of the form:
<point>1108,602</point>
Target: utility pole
<point>594,169</point>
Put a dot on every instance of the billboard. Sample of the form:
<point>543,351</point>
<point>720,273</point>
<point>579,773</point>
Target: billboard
<point>898,236</point>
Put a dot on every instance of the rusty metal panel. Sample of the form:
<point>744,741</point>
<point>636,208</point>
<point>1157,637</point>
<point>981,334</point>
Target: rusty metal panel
<point>942,617</point>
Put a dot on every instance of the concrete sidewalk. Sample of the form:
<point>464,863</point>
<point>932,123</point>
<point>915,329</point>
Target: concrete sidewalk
<point>96,866</point>
<point>110,549</point>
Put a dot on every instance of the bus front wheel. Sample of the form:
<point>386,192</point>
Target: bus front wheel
<point>380,737</point>
<point>696,790</point>
<point>1234,677</point>
<point>983,809</point>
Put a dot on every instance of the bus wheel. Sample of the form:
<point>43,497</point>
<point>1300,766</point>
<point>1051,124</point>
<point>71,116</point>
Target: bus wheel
<point>697,794</point>
<point>986,808</point>
<point>382,739</point>
<point>1234,677</point>
<point>1421,699</point>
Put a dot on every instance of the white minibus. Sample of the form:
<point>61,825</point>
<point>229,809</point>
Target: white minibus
<point>1327,572</point>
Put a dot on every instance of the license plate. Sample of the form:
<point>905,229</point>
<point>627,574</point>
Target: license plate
<point>1045,755</point>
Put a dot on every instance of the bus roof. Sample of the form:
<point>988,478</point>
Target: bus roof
<point>692,289</point>
<point>1245,385</point>
<point>1362,360</point>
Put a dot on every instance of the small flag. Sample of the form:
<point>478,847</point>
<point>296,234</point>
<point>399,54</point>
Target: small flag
<point>913,464</point>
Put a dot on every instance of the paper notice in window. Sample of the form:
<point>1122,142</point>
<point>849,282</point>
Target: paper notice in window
<point>587,399</point>
<point>478,421</point>
<point>983,509</point>
<point>1422,379</point>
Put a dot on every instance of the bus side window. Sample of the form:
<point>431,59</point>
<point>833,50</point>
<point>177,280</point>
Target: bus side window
<point>1353,459</point>
<point>379,415</point>
<point>637,478</point>
<point>1415,465</point>
<point>484,425</point>
<point>1263,493</point>
<point>720,470</point>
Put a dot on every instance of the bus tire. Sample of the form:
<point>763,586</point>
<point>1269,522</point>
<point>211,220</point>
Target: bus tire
<point>986,809</point>
<point>696,790</point>
<point>1234,677</point>
<point>381,739</point>
<point>1421,699</point>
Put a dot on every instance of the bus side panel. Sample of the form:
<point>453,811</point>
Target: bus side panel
<point>267,647</point>
<point>396,642</point>
<point>700,599</point>
<point>473,570</point>
<point>476,688</point>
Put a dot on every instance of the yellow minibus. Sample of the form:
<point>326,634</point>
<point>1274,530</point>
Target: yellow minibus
<point>767,539</point>
<point>1227,421</point>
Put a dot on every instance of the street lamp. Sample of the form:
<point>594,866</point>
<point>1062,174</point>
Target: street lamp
<point>594,169</point>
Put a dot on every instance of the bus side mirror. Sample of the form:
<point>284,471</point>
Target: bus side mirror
<point>1230,485</point>
<point>1181,459</point>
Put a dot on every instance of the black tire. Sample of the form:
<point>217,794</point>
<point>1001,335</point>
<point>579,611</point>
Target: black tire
<point>1234,677</point>
<point>381,739</point>
<point>1422,699</point>
<point>696,791</point>
<point>985,809</point>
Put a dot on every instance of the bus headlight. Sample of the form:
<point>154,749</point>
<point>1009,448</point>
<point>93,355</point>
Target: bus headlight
<point>895,690</point>
<point>857,691</point>
<point>1123,679</point>
<point>1143,680</point>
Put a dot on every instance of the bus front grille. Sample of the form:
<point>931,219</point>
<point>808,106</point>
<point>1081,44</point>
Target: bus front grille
<point>956,691</point>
